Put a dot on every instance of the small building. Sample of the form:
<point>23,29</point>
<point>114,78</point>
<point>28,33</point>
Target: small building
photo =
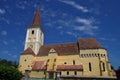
<point>85,59</point>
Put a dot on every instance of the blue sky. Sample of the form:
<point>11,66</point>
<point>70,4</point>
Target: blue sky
<point>62,21</point>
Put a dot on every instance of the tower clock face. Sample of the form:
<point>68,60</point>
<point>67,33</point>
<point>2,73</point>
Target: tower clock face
<point>31,46</point>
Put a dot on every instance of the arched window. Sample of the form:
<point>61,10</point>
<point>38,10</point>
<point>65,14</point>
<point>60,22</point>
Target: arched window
<point>65,62</point>
<point>90,67</point>
<point>54,60</point>
<point>75,72</point>
<point>73,62</point>
<point>32,31</point>
<point>31,46</point>
<point>67,73</point>
<point>82,55</point>
<point>48,60</point>
<point>103,65</point>
<point>89,55</point>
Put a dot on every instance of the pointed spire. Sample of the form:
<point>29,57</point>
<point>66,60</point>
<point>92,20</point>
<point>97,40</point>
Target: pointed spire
<point>36,19</point>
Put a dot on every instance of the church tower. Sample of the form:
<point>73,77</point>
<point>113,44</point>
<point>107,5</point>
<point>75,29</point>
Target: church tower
<point>34,35</point>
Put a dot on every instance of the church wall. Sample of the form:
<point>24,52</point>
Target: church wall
<point>71,73</point>
<point>26,63</point>
<point>91,56</point>
<point>68,60</point>
<point>37,74</point>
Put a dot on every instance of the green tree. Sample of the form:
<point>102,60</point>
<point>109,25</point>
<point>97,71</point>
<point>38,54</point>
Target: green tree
<point>8,71</point>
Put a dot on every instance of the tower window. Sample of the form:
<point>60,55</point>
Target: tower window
<point>25,60</point>
<point>90,67</point>
<point>65,63</point>
<point>32,31</point>
<point>31,46</point>
<point>73,62</point>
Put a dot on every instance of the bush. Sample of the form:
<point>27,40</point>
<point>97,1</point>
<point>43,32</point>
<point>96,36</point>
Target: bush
<point>9,72</point>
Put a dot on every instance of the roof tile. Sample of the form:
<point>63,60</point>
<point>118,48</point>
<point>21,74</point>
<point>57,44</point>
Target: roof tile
<point>61,49</point>
<point>69,67</point>
<point>88,43</point>
<point>38,65</point>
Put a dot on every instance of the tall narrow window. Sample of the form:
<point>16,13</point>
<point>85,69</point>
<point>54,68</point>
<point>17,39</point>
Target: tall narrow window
<point>75,72</point>
<point>67,73</point>
<point>44,72</point>
<point>48,60</point>
<point>54,60</point>
<point>90,67</point>
<point>73,62</point>
<point>103,66</point>
<point>32,31</point>
<point>60,73</point>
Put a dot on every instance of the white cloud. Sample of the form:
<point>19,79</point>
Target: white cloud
<point>71,33</point>
<point>107,39</point>
<point>2,11</point>
<point>87,26</point>
<point>9,54</point>
<point>20,6</point>
<point>59,27</point>
<point>86,29</point>
<point>67,23</point>
<point>47,0</point>
<point>4,33</point>
<point>75,5</point>
<point>5,52</point>
<point>14,56</point>
<point>84,21</point>
<point>5,42</point>
<point>5,20</point>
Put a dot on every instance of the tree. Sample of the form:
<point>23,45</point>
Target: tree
<point>118,73</point>
<point>8,71</point>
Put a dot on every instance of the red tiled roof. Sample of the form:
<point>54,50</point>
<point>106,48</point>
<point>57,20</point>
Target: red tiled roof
<point>86,43</point>
<point>50,70</point>
<point>61,49</point>
<point>69,67</point>
<point>70,48</point>
<point>36,19</point>
<point>28,51</point>
<point>38,65</point>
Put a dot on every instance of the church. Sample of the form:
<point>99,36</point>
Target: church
<point>85,59</point>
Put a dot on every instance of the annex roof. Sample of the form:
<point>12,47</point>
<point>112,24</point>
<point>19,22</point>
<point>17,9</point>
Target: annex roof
<point>69,67</point>
<point>88,43</point>
<point>38,65</point>
<point>28,51</point>
<point>61,49</point>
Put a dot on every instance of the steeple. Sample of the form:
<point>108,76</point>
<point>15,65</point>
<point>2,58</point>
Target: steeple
<point>34,35</point>
<point>36,19</point>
